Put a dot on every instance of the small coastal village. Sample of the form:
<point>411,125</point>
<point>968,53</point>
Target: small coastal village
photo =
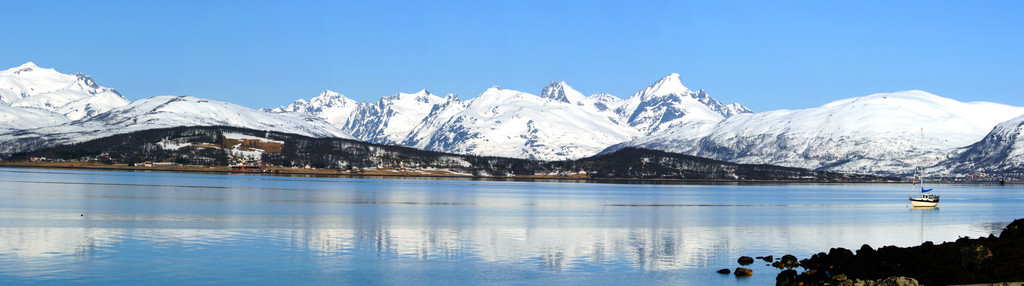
<point>254,164</point>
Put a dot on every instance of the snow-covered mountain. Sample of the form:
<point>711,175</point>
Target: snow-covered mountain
<point>667,103</point>
<point>162,112</point>
<point>561,123</point>
<point>72,96</point>
<point>390,119</point>
<point>333,107</point>
<point>420,135</point>
<point>878,133</point>
<point>508,123</point>
<point>41,107</point>
<point>16,118</point>
<point>1002,150</point>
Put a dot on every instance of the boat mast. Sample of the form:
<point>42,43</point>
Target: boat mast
<point>921,170</point>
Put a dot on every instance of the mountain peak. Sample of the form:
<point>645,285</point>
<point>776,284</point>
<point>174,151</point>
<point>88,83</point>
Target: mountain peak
<point>28,65</point>
<point>86,80</point>
<point>670,84</point>
<point>329,93</point>
<point>562,92</point>
<point>422,96</point>
<point>330,97</point>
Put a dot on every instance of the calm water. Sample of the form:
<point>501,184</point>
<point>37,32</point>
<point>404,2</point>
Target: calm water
<point>103,227</point>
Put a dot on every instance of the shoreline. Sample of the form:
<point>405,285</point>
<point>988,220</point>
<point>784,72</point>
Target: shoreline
<point>398,174</point>
<point>992,260</point>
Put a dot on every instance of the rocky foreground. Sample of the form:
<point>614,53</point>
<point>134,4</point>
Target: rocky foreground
<point>965,261</point>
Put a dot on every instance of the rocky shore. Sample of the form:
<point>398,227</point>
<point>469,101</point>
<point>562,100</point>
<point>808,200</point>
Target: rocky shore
<point>984,260</point>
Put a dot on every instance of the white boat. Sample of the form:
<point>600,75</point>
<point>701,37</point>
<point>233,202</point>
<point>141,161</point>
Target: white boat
<point>925,200</point>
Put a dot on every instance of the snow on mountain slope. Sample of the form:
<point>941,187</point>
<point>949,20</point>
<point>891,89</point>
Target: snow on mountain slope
<point>167,111</point>
<point>14,118</point>
<point>73,96</point>
<point>605,102</point>
<point>331,106</point>
<point>599,104</point>
<point>878,133</point>
<point>390,119</point>
<point>439,115</point>
<point>423,120</point>
<point>562,92</point>
<point>1001,151</point>
<point>510,123</point>
<point>171,111</point>
<point>668,103</point>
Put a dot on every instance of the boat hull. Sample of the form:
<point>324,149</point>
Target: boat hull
<point>923,203</point>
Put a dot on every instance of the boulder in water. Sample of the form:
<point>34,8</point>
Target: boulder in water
<point>743,272</point>
<point>745,260</point>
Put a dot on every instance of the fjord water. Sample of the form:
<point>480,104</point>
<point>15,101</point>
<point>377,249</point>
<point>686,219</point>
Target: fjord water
<point>110,227</point>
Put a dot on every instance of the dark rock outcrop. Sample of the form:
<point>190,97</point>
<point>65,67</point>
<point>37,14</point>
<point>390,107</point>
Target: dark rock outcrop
<point>1014,230</point>
<point>745,260</point>
<point>965,261</point>
<point>789,261</point>
<point>786,277</point>
<point>841,279</point>
<point>972,256</point>
<point>743,272</point>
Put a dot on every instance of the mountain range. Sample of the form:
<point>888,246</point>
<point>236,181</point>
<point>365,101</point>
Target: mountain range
<point>879,133</point>
<point>885,133</point>
<point>559,124</point>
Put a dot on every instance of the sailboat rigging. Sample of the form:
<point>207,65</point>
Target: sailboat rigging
<point>926,199</point>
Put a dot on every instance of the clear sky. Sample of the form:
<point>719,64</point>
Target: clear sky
<point>763,54</point>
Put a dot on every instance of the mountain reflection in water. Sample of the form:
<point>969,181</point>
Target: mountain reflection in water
<point>119,227</point>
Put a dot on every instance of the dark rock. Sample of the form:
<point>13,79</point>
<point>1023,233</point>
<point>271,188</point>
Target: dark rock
<point>814,275</point>
<point>840,279</point>
<point>743,272</point>
<point>1014,230</point>
<point>786,278</point>
<point>778,264</point>
<point>768,258</point>
<point>865,250</point>
<point>897,281</point>
<point>789,260</point>
<point>723,271</point>
<point>972,256</point>
<point>745,260</point>
<point>965,261</point>
<point>840,253</point>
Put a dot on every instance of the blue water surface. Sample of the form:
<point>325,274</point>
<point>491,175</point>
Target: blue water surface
<point>112,228</point>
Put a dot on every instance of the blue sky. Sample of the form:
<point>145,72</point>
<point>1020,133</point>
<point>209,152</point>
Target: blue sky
<point>763,54</point>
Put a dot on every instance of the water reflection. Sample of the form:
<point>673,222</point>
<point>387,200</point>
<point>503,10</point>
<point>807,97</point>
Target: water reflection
<point>89,227</point>
<point>555,249</point>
